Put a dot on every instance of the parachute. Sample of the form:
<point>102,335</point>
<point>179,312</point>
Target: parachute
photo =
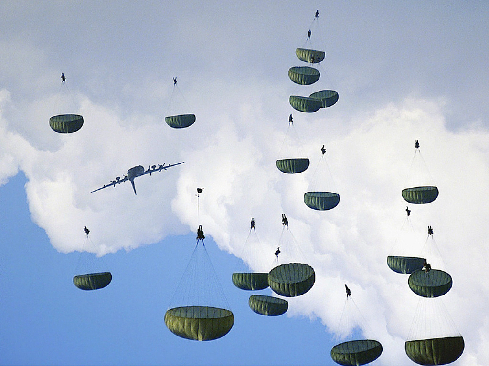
<point>291,279</point>
<point>92,281</point>
<point>405,265</point>
<point>357,352</point>
<point>66,123</point>
<point>327,97</point>
<point>432,283</point>
<point>180,121</point>
<point>321,200</point>
<point>419,195</point>
<point>304,75</point>
<point>250,281</point>
<point>200,323</point>
<point>435,351</point>
<point>309,55</point>
<point>305,104</point>
<point>268,305</point>
<point>297,165</point>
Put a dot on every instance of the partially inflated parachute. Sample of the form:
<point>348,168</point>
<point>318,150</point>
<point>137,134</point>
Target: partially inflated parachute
<point>180,121</point>
<point>432,283</point>
<point>66,123</point>
<point>92,281</point>
<point>304,75</point>
<point>321,200</point>
<point>419,195</point>
<point>305,104</point>
<point>250,280</point>
<point>199,323</point>
<point>297,165</point>
<point>358,352</point>
<point>327,97</point>
<point>291,279</point>
<point>435,351</point>
<point>405,265</point>
<point>309,55</point>
<point>268,305</point>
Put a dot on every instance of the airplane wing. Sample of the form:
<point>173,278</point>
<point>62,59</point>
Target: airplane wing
<point>111,184</point>
<point>160,167</point>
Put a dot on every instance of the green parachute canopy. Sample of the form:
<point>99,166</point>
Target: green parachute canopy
<point>321,200</point>
<point>297,165</point>
<point>419,195</point>
<point>92,281</point>
<point>291,279</point>
<point>66,123</point>
<point>303,75</point>
<point>311,56</point>
<point>180,121</point>
<point>358,352</point>
<point>199,323</point>
<point>435,351</point>
<point>405,265</point>
<point>305,104</point>
<point>327,97</point>
<point>268,305</point>
<point>432,283</point>
<point>250,281</point>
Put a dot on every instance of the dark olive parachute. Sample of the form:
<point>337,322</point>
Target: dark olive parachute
<point>305,104</point>
<point>419,195</point>
<point>180,121</point>
<point>311,56</point>
<point>327,97</point>
<point>250,281</point>
<point>291,279</point>
<point>304,75</point>
<point>199,323</point>
<point>435,351</point>
<point>268,305</point>
<point>405,265</point>
<point>66,123</point>
<point>297,165</point>
<point>92,281</point>
<point>357,352</point>
<point>321,200</point>
<point>432,283</point>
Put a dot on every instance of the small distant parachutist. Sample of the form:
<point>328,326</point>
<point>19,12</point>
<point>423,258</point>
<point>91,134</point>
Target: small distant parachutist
<point>63,78</point>
<point>348,291</point>
<point>277,252</point>
<point>86,230</point>
<point>317,14</point>
<point>200,233</point>
<point>408,211</point>
<point>323,150</point>
<point>174,81</point>
<point>416,144</point>
<point>291,120</point>
<point>308,34</point>
<point>285,222</point>
<point>430,230</point>
<point>252,223</point>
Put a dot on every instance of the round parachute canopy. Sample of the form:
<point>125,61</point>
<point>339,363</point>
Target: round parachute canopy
<point>308,55</point>
<point>357,352</point>
<point>199,323</point>
<point>92,281</point>
<point>305,104</point>
<point>327,97</point>
<point>297,165</point>
<point>321,200</point>
<point>418,195</point>
<point>250,281</point>
<point>303,75</point>
<point>291,279</point>
<point>435,351</point>
<point>405,265</point>
<point>180,121</point>
<point>66,123</point>
<point>268,305</point>
<point>433,283</point>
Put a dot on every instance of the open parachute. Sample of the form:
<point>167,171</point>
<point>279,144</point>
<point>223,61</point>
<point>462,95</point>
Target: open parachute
<point>268,305</point>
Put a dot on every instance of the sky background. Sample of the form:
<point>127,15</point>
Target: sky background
<point>404,71</point>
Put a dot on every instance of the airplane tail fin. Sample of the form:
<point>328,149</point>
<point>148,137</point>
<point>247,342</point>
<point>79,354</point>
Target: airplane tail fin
<point>133,187</point>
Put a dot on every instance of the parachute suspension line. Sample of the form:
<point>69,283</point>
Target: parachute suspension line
<point>364,321</point>
<point>341,321</point>
<point>176,92</point>
<point>432,250</point>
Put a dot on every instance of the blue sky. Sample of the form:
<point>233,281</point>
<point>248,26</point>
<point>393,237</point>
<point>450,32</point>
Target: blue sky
<point>404,71</point>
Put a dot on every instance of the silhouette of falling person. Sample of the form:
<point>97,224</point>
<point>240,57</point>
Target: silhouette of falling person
<point>63,78</point>
<point>348,291</point>
<point>430,230</point>
<point>252,223</point>
<point>317,14</point>
<point>291,120</point>
<point>174,81</point>
<point>200,233</point>
<point>277,252</point>
<point>308,34</point>
<point>416,144</point>
<point>323,150</point>
<point>408,211</point>
<point>86,230</point>
<point>285,222</point>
